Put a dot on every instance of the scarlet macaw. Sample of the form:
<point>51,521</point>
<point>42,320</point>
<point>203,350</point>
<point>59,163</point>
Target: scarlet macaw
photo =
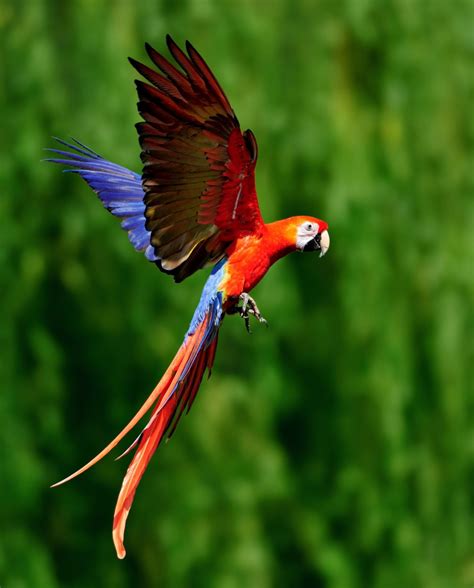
<point>195,204</point>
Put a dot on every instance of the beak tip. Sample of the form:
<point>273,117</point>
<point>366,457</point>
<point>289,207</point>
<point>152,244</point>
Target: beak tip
<point>325,241</point>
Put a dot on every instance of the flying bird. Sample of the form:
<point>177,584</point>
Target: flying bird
<point>194,205</point>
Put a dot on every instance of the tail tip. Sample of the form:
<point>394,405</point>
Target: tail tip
<point>56,484</point>
<point>119,547</point>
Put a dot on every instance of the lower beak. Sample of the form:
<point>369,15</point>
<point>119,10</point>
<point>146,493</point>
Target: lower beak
<point>324,243</point>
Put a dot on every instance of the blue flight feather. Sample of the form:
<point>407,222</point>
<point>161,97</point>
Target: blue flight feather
<point>119,189</point>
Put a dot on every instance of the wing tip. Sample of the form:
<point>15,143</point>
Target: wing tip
<point>132,61</point>
<point>77,147</point>
<point>149,49</point>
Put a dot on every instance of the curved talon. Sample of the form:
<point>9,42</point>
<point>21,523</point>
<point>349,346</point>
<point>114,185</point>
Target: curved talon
<point>247,323</point>
<point>258,316</point>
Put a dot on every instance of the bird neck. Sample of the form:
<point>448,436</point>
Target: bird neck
<point>280,238</point>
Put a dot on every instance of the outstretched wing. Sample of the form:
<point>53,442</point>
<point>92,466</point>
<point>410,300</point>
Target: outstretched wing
<point>119,189</point>
<point>198,173</point>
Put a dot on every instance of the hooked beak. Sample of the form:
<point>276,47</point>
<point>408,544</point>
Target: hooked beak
<point>325,241</point>
<point>320,243</point>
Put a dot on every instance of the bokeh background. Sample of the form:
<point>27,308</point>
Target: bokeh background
<point>333,449</point>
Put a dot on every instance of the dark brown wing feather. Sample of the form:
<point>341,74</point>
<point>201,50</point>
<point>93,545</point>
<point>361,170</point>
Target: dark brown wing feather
<point>198,172</point>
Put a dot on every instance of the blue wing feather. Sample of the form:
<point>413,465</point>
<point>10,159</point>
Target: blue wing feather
<point>119,189</point>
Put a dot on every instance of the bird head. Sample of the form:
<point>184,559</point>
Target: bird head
<point>312,235</point>
<point>297,233</point>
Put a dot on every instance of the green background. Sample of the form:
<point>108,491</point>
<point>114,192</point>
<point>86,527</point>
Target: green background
<point>333,449</point>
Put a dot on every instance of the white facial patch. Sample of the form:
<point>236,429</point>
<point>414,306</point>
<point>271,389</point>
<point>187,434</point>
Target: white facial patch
<point>306,231</point>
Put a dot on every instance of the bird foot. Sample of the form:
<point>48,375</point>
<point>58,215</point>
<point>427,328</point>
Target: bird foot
<point>249,308</point>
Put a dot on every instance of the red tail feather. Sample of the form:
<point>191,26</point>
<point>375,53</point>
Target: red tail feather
<point>149,441</point>
<point>175,391</point>
<point>170,405</point>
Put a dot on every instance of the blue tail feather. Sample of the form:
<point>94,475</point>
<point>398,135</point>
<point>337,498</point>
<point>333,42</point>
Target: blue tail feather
<point>211,299</point>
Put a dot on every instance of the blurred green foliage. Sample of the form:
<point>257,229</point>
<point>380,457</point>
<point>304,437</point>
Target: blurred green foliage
<point>333,450</point>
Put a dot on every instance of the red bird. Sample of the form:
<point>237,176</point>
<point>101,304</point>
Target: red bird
<point>194,205</point>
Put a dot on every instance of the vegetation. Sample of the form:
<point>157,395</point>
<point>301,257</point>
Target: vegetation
<point>333,449</point>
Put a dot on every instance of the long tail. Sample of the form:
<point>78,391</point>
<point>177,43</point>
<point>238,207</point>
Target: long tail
<point>173,394</point>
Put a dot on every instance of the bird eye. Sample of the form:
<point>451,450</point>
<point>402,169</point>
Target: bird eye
<point>309,226</point>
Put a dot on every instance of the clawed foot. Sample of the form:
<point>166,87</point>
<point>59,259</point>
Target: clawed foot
<point>249,307</point>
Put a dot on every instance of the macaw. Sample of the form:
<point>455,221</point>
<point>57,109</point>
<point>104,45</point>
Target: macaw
<point>194,205</point>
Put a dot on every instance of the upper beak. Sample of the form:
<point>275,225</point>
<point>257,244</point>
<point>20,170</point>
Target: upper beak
<point>324,243</point>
